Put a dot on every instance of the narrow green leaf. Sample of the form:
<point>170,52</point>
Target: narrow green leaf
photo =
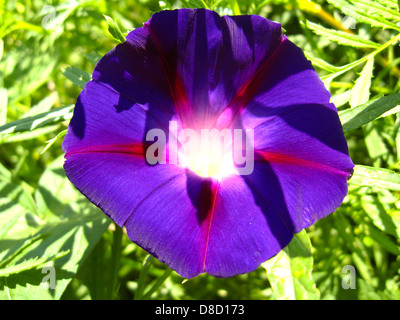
<point>1,48</point>
<point>41,120</point>
<point>341,37</point>
<point>375,178</point>
<point>42,106</point>
<point>9,224</point>
<point>27,68</point>
<point>384,240</point>
<point>75,225</point>
<point>27,135</point>
<point>354,118</point>
<point>142,278</point>
<point>77,76</point>
<point>320,63</point>
<point>362,16</point>
<point>114,30</point>
<point>52,141</point>
<point>387,221</point>
<point>3,106</point>
<point>93,57</point>
<point>393,4</point>
<point>30,264</point>
<point>361,90</point>
<point>375,8</point>
<point>341,98</point>
<point>289,272</point>
<point>340,70</point>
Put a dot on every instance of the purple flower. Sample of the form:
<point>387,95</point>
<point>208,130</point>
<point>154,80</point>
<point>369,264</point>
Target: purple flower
<point>197,70</point>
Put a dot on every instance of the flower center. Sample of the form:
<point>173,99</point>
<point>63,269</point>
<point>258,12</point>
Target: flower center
<point>209,154</point>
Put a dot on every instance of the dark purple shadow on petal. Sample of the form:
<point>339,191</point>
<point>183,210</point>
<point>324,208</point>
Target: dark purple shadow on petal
<point>317,121</point>
<point>200,75</point>
<point>78,121</point>
<point>264,180</point>
<point>245,23</point>
<point>200,191</point>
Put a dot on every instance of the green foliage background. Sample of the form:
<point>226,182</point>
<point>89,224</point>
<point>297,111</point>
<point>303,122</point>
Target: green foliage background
<point>47,53</point>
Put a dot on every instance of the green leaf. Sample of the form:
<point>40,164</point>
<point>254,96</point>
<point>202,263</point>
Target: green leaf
<point>3,106</point>
<point>27,67</point>
<point>42,106</point>
<point>375,8</point>
<point>354,118</point>
<point>77,76</point>
<point>75,227</point>
<point>340,70</point>
<point>383,219</point>
<point>289,272</point>
<point>52,141</point>
<point>359,13</point>
<point>341,37</point>
<point>361,90</point>
<point>114,30</point>
<point>38,121</point>
<point>1,48</point>
<point>320,63</point>
<point>384,240</point>
<point>30,264</point>
<point>375,178</point>
<point>93,57</point>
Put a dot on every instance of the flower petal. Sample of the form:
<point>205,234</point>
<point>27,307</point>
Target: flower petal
<point>306,132</point>
<point>172,222</point>
<point>300,192</point>
<point>209,58</point>
<point>134,70</point>
<point>245,230</point>
<point>98,120</point>
<point>289,81</point>
<point>117,182</point>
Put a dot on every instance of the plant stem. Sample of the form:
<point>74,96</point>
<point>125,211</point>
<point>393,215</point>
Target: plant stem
<point>115,261</point>
<point>158,284</point>
<point>142,278</point>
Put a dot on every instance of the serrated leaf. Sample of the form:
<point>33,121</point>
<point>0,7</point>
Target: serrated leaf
<point>361,90</point>
<point>30,264</point>
<point>341,37</point>
<point>393,4</point>
<point>354,118</point>
<point>38,121</point>
<point>375,178</point>
<point>289,272</point>
<point>76,226</point>
<point>320,63</point>
<point>360,15</point>
<point>114,30</point>
<point>375,8</point>
<point>77,76</point>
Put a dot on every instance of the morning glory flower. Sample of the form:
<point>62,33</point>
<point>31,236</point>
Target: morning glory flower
<point>141,144</point>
